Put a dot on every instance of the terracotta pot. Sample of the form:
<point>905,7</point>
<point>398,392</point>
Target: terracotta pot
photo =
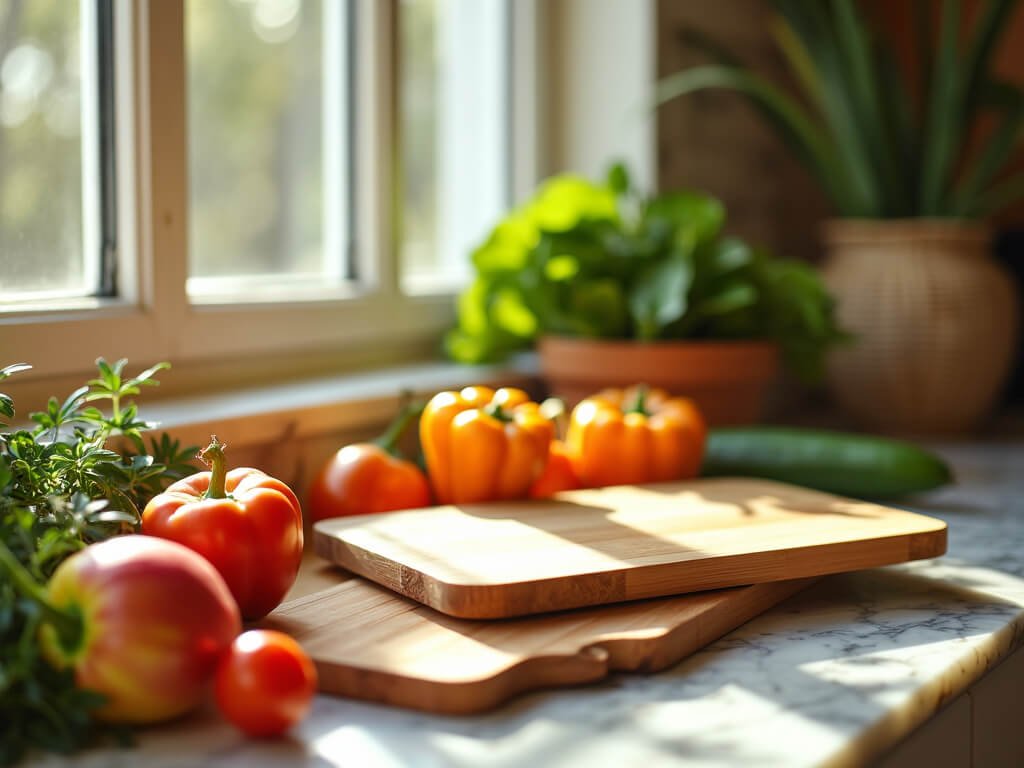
<point>935,320</point>
<point>726,379</point>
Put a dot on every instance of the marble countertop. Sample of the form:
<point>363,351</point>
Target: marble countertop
<point>833,676</point>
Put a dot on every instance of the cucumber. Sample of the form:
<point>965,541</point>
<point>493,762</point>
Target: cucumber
<point>837,462</point>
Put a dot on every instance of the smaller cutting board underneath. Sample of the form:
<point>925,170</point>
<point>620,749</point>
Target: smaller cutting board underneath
<point>370,643</point>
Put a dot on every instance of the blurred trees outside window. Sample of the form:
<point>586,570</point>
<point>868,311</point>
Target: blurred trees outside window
<point>255,114</point>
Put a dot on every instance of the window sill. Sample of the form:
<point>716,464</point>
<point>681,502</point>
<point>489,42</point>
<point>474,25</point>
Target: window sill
<point>289,430</point>
<point>350,404</point>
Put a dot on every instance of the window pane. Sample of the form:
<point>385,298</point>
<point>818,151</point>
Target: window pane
<point>453,129</point>
<point>256,85</point>
<point>44,250</point>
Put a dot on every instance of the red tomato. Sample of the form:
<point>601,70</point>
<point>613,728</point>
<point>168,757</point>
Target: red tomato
<point>265,683</point>
<point>364,478</point>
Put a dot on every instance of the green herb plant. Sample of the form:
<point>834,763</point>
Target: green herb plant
<point>602,261</point>
<point>61,488</point>
<point>882,145</point>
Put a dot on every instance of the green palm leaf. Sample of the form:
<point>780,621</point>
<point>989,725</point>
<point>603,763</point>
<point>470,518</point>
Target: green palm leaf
<point>858,59</point>
<point>814,32</point>
<point>874,151</point>
<point>943,125</point>
<point>794,125</point>
<point>901,132</point>
<point>976,64</point>
<point>999,147</point>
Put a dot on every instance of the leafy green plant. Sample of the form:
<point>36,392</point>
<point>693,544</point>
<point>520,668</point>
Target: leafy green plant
<point>882,145</point>
<point>600,260</point>
<point>61,488</point>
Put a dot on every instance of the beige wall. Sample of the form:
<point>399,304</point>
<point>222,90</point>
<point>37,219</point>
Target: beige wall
<point>596,81</point>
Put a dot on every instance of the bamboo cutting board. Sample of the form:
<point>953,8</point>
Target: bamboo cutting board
<point>607,545</point>
<point>370,643</point>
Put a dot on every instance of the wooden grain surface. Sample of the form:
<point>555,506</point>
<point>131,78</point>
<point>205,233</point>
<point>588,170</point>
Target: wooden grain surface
<point>607,545</point>
<point>370,643</point>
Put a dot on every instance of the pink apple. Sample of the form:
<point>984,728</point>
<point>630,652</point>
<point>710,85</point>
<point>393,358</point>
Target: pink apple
<point>156,618</point>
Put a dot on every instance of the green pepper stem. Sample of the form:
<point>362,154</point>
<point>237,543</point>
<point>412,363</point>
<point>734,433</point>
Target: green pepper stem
<point>67,623</point>
<point>495,410</point>
<point>553,409</point>
<point>213,457</point>
<point>409,412</point>
<point>639,404</point>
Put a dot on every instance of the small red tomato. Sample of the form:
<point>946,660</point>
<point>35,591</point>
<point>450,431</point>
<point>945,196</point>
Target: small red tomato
<point>372,477</point>
<point>265,683</point>
<point>362,479</point>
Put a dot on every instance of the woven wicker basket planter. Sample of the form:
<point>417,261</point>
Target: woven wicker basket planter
<point>935,320</point>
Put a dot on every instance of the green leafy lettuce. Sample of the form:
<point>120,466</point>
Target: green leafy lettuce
<point>599,261</point>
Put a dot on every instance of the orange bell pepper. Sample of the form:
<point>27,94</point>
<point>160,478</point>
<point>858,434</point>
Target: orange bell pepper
<point>482,445</point>
<point>636,435</point>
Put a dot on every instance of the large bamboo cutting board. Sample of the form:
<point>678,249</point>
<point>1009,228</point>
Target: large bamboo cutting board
<point>370,643</point>
<point>625,543</point>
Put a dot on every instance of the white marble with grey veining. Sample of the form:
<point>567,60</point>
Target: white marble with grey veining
<point>834,676</point>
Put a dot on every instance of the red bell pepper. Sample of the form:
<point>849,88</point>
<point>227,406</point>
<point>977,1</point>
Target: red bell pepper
<point>246,523</point>
<point>558,474</point>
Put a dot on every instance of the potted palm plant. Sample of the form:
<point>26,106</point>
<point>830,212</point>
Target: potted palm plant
<point>908,259</point>
<point>616,289</point>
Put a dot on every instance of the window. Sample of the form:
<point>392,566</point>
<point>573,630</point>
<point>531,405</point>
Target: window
<point>266,104</point>
<point>49,150</point>
<point>294,178</point>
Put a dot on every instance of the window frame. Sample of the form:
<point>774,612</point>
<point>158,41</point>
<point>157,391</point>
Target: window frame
<point>154,319</point>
